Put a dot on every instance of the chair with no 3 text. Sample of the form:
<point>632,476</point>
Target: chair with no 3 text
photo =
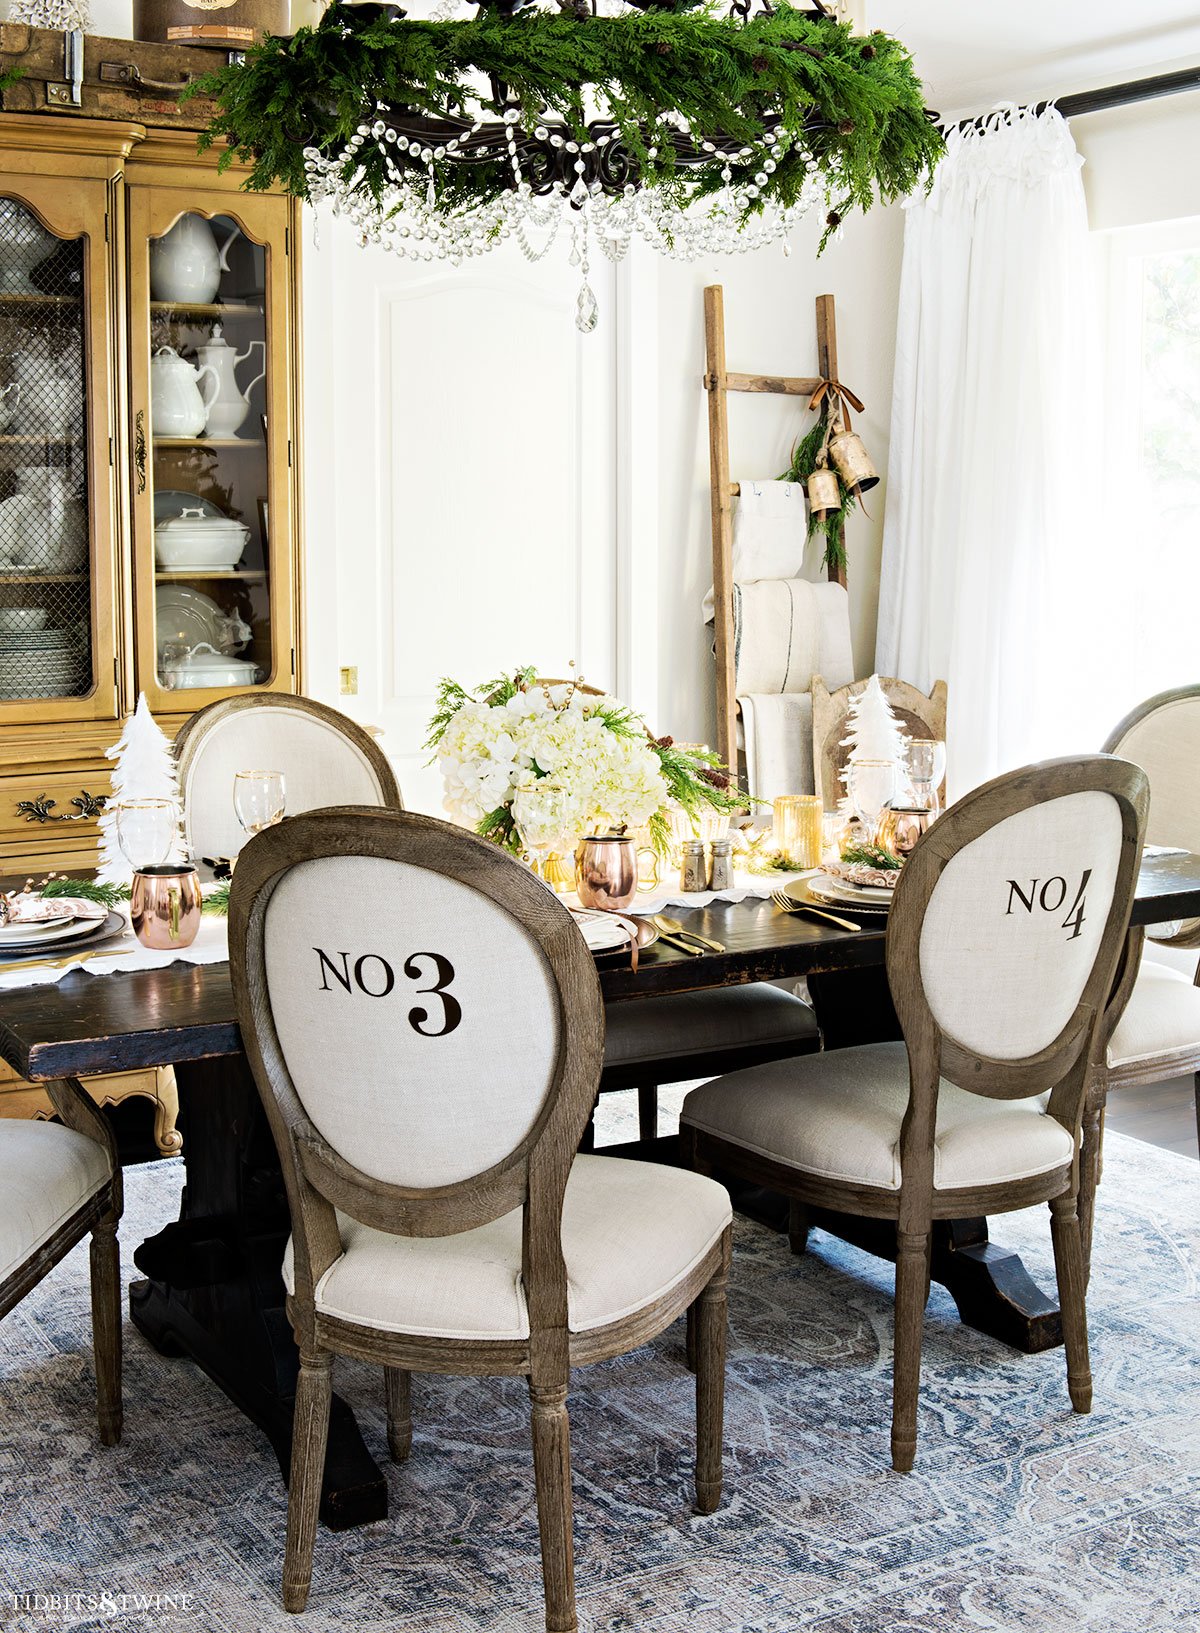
<point>62,1183</point>
<point>425,1025</point>
<point>1003,942</point>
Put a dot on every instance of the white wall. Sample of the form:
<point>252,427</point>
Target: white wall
<point>770,328</point>
<point>1141,162</point>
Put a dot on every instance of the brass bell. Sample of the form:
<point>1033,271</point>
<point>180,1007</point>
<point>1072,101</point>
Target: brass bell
<point>824,494</point>
<point>852,461</point>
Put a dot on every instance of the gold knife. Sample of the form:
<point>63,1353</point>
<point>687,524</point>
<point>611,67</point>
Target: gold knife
<point>681,946</point>
<point>61,963</point>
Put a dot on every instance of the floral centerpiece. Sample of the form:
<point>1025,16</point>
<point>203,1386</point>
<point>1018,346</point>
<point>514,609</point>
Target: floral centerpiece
<point>535,765</point>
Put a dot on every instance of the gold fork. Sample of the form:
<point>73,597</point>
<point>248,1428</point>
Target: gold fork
<point>787,905</point>
<point>61,963</point>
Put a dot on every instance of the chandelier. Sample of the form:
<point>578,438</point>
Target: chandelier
<point>698,133</point>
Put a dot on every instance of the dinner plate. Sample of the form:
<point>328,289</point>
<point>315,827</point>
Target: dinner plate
<point>817,890</point>
<point>35,932</point>
<point>851,892</point>
<point>113,924</point>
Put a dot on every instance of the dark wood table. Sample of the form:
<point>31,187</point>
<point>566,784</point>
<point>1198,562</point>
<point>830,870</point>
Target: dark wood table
<point>213,1288</point>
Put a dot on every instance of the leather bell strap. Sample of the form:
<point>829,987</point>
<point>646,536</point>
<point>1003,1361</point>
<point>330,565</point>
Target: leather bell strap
<point>838,396</point>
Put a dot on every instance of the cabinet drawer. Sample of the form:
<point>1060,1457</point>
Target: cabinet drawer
<point>51,815</point>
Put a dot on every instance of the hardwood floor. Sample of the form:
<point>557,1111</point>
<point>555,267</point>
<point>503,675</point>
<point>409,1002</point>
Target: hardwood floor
<point>1160,1113</point>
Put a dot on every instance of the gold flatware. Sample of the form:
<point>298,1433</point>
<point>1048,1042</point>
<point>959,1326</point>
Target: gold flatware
<point>67,958</point>
<point>786,905</point>
<point>679,944</point>
<point>674,927</point>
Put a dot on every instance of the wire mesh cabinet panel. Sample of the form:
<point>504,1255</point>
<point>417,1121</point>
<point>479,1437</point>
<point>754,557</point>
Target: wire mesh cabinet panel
<point>58,612</point>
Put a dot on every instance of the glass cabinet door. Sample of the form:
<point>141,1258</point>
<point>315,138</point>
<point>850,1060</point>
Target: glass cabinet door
<point>58,617</point>
<point>211,404</point>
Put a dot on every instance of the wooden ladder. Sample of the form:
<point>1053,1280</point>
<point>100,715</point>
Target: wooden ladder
<point>719,382</point>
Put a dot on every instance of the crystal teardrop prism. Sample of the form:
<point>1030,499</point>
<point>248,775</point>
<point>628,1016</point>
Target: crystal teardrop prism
<point>587,313</point>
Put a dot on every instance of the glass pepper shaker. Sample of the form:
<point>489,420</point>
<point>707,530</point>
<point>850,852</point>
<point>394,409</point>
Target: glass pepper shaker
<point>720,867</point>
<point>693,872</point>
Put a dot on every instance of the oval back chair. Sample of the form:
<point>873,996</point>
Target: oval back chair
<point>326,759</point>
<point>1003,941</point>
<point>424,1023</point>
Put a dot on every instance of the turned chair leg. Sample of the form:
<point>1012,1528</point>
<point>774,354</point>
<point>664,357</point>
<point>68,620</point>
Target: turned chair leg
<point>397,1386</point>
<point>310,1431</point>
<point>106,1328</point>
<point>647,1098</point>
<point>1072,1300</point>
<point>1091,1149</point>
<point>912,1294</point>
<point>712,1326</point>
<point>798,1225</point>
<point>690,1339</point>
<point>552,1478</point>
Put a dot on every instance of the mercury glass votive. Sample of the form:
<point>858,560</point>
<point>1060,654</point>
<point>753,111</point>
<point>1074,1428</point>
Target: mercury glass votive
<point>797,829</point>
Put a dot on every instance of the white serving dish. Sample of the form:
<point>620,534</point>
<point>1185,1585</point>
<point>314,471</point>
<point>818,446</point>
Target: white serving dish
<point>204,666</point>
<point>194,541</point>
<point>22,620</point>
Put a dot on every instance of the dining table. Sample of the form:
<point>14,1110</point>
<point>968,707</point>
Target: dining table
<point>211,1286</point>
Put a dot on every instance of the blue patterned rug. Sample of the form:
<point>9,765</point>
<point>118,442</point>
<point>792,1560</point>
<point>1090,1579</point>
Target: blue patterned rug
<point>1020,1516</point>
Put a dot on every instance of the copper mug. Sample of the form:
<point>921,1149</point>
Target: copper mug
<point>900,826</point>
<point>606,871</point>
<point>164,906</point>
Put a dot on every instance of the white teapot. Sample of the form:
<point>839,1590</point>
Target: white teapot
<point>10,401</point>
<point>56,530</point>
<point>228,408</point>
<point>186,263</point>
<point>177,407</point>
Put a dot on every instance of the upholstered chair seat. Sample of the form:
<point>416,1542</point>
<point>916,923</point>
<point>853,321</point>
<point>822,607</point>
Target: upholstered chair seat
<point>62,1182</point>
<point>49,1174</point>
<point>631,1232</point>
<point>1161,1020</point>
<point>838,1116</point>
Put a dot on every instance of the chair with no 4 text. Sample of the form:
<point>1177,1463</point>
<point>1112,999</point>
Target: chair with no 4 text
<point>425,1025</point>
<point>1003,941</point>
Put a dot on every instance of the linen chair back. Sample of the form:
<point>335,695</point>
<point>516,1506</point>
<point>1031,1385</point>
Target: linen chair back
<point>1007,928</point>
<point>1162,735</point>
<point>423,1019</point>
<point>919,716</point>
<point>326,759</point>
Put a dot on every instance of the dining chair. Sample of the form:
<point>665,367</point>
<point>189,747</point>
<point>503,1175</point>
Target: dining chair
<point>919,716</point>
<point>63,1182</point>
<point>1158,1034</point>
<point>326,759</point>
<point>424,1023</point>
<point>1003,939</point>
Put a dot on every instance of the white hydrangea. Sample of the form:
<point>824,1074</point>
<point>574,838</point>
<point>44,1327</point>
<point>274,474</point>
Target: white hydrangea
<point>554,762</point>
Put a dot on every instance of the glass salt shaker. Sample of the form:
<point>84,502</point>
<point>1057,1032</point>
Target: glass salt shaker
<point>720,867</point>
<point>693,872</point>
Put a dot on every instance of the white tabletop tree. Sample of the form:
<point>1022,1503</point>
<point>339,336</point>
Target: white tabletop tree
<point>145,769</point>
<point>874,733</point>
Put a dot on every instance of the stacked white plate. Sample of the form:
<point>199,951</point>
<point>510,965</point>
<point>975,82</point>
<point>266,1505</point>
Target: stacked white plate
<point>42,663</point>
<point>866,898</point>
<point>35,922</point>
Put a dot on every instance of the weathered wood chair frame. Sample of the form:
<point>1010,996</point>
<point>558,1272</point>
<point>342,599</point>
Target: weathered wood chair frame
<point>533,1177</point>
<point>1065,1067</point>
<point>1186,937</point>
<point>918,715</point>
<point>99,1215</point>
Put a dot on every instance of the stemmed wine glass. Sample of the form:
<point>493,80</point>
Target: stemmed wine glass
<point>259,799</point>
<point>926,768</point>
<point>871,785</point>
<point>147,830</point>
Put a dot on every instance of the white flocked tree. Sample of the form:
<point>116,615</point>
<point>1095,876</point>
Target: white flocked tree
<point>874,733</point>
<point>144,769</point>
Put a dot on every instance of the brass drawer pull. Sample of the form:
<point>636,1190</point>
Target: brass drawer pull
<point>39,809</point>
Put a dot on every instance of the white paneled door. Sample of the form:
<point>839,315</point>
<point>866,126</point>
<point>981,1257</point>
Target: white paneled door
<point>461,480</point>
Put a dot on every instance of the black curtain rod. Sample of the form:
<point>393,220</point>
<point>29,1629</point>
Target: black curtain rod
<point>1114,96</point>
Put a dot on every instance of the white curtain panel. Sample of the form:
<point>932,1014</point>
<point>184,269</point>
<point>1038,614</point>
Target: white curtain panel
<point>988,478</point>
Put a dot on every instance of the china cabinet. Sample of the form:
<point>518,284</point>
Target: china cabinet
<point>148,381</point>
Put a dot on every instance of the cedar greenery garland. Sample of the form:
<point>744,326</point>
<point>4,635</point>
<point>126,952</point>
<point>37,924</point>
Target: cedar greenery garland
<point>856,104</point>
<point>803,464</point>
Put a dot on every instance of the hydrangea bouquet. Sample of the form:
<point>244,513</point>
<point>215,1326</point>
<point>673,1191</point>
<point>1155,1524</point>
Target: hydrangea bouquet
<point>535,765</point>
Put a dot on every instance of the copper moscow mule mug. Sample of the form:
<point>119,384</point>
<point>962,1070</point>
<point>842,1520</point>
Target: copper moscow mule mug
<point>164,906</point>
<point>606,871</point>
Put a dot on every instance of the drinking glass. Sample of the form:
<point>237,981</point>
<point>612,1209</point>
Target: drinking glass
<point>926,768</point>
<point>259,799</point>
<point>871,784</point>
<point>147,830</point>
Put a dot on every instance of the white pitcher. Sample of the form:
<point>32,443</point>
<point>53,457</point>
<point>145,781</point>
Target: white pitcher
<point>10,400</point>
<point>228,408</point>
<point>177,407</point>
<point>186,263</point>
